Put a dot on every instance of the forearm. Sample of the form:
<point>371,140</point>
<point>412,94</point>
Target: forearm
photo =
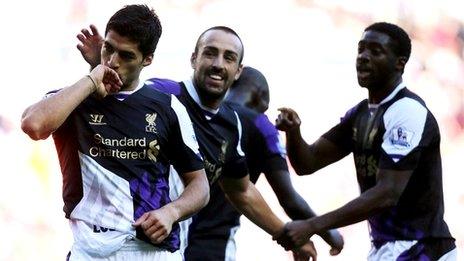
<point>47,115</point>
<point>250,203</point>
<point>194,197</point>
<point>371,202</point>
<point>299,152</point>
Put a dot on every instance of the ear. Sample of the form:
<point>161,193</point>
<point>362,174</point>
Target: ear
<point>239,71</point>
<point>147,60</point>
<point>193,59</point>
<point>401,63</point>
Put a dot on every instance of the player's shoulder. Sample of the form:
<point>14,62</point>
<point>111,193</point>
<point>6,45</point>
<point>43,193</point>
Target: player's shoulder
<point>242,111</point>
<point>164,85</point>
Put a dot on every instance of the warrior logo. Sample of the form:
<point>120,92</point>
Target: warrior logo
<point>96,119</point>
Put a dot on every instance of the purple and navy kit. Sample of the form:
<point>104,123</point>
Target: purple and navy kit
<point>115,155</point>
<point>400,133</point>
<point>215,224</point>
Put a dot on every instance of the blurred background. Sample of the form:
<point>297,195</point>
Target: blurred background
<point>305,48</point>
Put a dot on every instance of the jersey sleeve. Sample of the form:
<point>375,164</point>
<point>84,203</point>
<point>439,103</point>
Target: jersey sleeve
<point>405,122</point>
<point>342,133</point>
<point>265,146</point>
<point>236,166</point>
<point>183,147</point>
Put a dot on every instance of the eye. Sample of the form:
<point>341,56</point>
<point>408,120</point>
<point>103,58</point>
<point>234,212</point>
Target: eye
<point>376,51</point>
<point>127,56</point>
<point>108,48</point>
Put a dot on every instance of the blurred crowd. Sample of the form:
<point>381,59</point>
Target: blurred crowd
<point>306,50</point>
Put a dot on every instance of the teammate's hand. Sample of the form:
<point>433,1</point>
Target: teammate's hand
<point>156,224</point>
<point>295,234</point>
<point>106,80</point>
<point>335,240</point>
<point>305,252</point>
<point>90,46</point>
<point>287,120</point>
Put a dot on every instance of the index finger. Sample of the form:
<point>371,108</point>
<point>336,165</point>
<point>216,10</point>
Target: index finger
<point>94,29</point>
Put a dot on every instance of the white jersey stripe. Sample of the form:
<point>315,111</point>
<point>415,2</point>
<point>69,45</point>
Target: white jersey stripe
<point>186,126</point>
<point>103,189</point>
<point>239,128</point>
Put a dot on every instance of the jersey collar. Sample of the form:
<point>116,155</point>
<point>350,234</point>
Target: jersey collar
<point>398,88</point>
<point>194,94</point>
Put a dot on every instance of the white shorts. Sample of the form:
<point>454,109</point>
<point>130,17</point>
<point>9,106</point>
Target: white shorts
<point>392,250</point>
<point>131,250</point>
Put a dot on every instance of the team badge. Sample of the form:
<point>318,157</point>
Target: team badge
<point>151,125</point>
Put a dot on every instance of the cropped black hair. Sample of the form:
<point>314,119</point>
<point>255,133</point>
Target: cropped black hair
<point>140,24</point>
<point>401,43</point>
<point>227,30</point>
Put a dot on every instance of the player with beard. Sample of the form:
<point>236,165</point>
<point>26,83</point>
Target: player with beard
<point>216,61</point>
<point>395,141</point>
<point>212,234</point>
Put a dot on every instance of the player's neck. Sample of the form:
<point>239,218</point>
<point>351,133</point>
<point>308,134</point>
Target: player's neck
<point>132,86</point>
<point>377,95</point>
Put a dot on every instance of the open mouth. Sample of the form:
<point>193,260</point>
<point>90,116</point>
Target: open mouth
<point>363,72</point>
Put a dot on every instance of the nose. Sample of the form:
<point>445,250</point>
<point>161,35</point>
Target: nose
<point>363,56</point>
<point>113,62</point>
<point>218,62</point>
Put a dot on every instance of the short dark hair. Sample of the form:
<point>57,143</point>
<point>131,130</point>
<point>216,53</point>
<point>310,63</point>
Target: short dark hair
<point>227,30</point>
<point>401,43</point>
<point>140,24</point>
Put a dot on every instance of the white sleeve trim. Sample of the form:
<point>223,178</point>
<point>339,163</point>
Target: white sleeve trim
<point>185,124</point>
<point>239,128</point>
<point>404,124</point>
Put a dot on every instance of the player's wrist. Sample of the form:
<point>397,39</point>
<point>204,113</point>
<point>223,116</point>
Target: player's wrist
<point>93,86</point>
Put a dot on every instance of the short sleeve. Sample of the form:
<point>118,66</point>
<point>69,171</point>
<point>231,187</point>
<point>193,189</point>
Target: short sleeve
<point>342,133</point>
<point>403,140</point>
<point>184,149</point>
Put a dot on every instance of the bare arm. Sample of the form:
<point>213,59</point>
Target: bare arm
<point>44,117</point>
<point>297,208</point>
<point>386,193</point>
<point>157,224</point>
<point>246,199</point>
<point>305,158</point>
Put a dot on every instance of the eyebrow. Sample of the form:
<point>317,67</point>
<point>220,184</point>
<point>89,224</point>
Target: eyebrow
<point>119,50</point>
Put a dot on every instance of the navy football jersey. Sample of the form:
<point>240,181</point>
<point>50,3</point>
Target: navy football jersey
<point>400,133</point>
<point>218,133</point>
<point>216,223</point>
<point>115,155</point>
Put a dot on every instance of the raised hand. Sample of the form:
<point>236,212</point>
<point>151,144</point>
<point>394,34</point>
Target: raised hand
<point>156,224</point>
<point>305,252</point>
<point>287,120</point>
<point>90,45</point>
<point>106,80</point>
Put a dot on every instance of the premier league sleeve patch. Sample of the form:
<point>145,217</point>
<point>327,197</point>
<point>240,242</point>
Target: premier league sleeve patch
<point>401,138</point>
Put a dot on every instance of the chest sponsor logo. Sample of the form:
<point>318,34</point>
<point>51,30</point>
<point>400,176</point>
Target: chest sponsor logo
<point>97,119</point>
<point>401,137</point>
<point>151,125</point>
<point>125,148</point>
